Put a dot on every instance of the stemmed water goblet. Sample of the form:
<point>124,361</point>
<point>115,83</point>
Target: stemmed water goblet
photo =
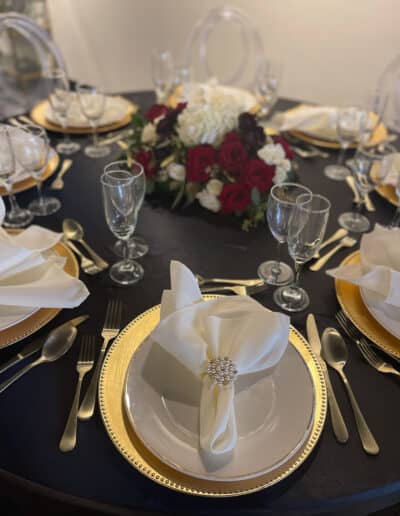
<point>307,226</point>
<point>348,129</point>
<point>16,217</point>
<point>137,246</point>
<point>121,194</point>
<point>162,71</point>
<point>370,168</point>
<point>60,98</point>
<point>93,102</point>
<point>32,153</point>
<point>281,203</point>
<point>268,79</point>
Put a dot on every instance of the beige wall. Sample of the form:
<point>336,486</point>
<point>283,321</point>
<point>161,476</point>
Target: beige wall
<point>332,50</point>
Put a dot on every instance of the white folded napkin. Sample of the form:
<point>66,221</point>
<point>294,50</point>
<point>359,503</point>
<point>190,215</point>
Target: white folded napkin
<point>31,275</point>
<point>196,332</point>
<point>392,177</point>
<point>319,121</point>
<point>379,268</point>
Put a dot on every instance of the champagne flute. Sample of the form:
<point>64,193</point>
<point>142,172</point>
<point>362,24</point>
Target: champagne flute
<point>93,102</point>
<point>162,70</point>
<point>137,247</point>
<point>370,168</point>
<point>281,202</point>
<point>268,79</point>
<point>16,217</point>
<point>121,196</point>
<point>32,153</point>
<point>60,98</point>
<point>307,226</point>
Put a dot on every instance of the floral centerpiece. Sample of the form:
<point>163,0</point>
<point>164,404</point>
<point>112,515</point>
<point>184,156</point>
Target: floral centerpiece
<point>210,151</point>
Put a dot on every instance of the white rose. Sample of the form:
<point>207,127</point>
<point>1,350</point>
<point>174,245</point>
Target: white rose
<point>149,134</point>
<point>214,187</point>
<point>272,154</point>
<point>281,171</point>
<point>208,200</point>
<point>176,171</point>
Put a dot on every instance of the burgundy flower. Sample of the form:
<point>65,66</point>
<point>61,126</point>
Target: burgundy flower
<point>198,160</point>
<point>247,122</point>
<point>288,151</point>
<point>235,197</point>
<point>145,158</point>
<point>258,174</point>
<point>156,111</point>
<point>232,156</point>
<point>232,136</point>
<point>254,139</point>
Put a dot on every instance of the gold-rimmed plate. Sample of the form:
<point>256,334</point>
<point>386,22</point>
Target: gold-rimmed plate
<point>44,315</point>
<point>38,115</point>
<point>111,392</point>
<point>353,306</point>
<point>388,192</point>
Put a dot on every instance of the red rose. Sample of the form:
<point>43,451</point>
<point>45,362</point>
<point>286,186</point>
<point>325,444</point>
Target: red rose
<point>232,136</point>
<point>259,174</point>
<point>156,111</point>
<point>288,151</point>
<point>234,197</point>
<point>199,159</point>
<point>144,158</point>
<point>232,156</point>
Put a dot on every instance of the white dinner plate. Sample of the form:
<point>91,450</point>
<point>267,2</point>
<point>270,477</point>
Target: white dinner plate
<point>274,411</point>
<point>387,315</point>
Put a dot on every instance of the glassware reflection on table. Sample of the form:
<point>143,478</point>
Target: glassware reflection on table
<point>371,166</point>
<point>121,194</point>
<point>348,129</point>
<point>60,99</point>
<point>32,153</point>
<point>137,246</point>
<point>162,74</point>
<point>93,103</point>
<point>281,202</point>
<point>268,80</point>
<point>16,217</point>
<point>307,226</point>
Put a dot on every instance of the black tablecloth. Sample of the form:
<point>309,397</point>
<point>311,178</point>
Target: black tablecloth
<point>34,473</point>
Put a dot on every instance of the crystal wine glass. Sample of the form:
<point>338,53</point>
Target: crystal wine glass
<point>348,130</point>
<point>93,103</point>
<point>137,247</point>
<point>60,98</point>
<point>268,79</point>
<point>281,202</point>
<point>16,217</point>
<point>307,226</point>
<point>32,154</point>
<point>371,166</point>
<point>162,71</point>
<point>121,196</point>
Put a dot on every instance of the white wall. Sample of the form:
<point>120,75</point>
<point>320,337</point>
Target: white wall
<point>332,50</point>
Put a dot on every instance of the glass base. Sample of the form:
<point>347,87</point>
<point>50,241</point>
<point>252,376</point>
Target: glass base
<point>97,151</point>
<point>68,147</point>
<point>44,206</point>
<point>126,272</point>
<point>17,218</point>
<point>291,298</point>
<point>354,222</point>
<point>336,172</point>
<point>137,247</point>
<point>268,272</point>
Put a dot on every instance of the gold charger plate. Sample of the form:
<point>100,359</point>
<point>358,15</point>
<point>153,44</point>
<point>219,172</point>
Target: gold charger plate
<point>38,115</point>
<point>29,182</point>
<point>111,389</point>
<point>353,306</point>
<point>44,315</point>
<point>388,192</point>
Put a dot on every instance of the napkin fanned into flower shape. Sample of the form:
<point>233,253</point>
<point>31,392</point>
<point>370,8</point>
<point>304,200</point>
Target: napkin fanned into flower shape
<point>379,267</point>
<point>197,332</point>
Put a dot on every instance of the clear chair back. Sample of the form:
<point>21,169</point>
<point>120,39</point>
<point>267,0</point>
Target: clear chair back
<point>388,89</point>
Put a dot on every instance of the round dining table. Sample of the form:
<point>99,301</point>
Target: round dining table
<point>94,479</point>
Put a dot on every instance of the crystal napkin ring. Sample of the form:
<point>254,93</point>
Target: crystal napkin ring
<point>222,370</point>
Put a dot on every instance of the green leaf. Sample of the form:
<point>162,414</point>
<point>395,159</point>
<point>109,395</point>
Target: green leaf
<point>255,196</point>
<point>138,119</point>
<point>178,197</point>
<point>150,184</point>
<point>192,189</point>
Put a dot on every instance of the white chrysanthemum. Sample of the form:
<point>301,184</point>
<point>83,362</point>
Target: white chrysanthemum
<point>176,171</point>
<point>214,187</point>
<point>208,200</point>
<point>281,171</point>
<point>149,134</point>
<point>272,154</point>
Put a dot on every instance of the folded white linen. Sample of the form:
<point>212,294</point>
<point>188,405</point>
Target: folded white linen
<point>196,333</point>
<point>319,121</point>
<point>393,176</point>
<point>379,268</point>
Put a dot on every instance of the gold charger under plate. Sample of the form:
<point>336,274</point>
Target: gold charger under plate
<point>38,115</point>
<point>353,306</point>
<point>388,192</point>
<point>29,182</point>
<point>111,388</point>
<point>43,315</point>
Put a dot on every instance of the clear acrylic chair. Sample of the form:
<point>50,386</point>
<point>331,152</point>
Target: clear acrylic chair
<point>388,89</point>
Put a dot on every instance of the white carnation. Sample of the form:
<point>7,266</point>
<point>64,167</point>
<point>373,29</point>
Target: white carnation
<point>272,154</point>
<point>149,134</point>
<point>214,187</point>
<point>176,171</point>
<point>208,200</point>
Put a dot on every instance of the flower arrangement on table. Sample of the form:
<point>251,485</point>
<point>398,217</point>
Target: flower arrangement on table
<point>212,152</point>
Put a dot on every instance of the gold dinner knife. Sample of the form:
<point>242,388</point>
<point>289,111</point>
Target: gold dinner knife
<point>338,424</point>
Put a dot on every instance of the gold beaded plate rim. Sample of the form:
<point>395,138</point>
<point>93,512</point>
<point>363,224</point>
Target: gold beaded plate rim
<point>122,435</point>
<point>353,306</point>
<point>43,316</point>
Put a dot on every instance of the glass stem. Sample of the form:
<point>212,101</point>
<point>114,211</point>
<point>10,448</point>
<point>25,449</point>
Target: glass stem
<point>395,223</point>
<point>67,138</point>
<point>276,268</point>
<point>297,268</point>
<point>341,156</point>
<point>125,251</point>
<point>40,193</point>
<point>95,137</point>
